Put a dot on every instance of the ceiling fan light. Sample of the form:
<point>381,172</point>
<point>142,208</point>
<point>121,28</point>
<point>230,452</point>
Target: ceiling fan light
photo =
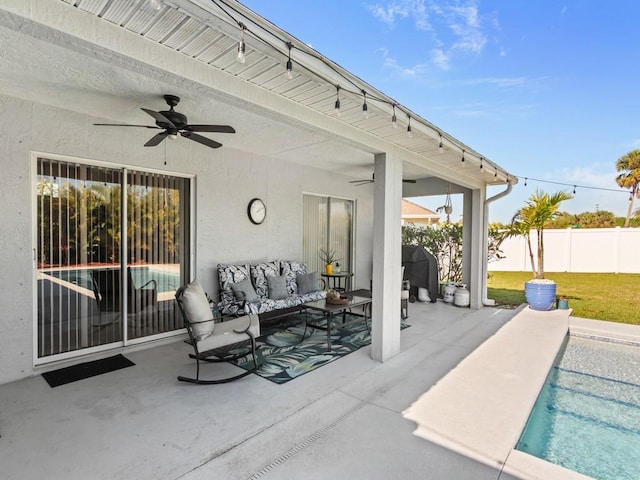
<point>173,136</point>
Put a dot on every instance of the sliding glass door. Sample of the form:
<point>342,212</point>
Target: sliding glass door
<point>328,225</point>
<point>112,248</point>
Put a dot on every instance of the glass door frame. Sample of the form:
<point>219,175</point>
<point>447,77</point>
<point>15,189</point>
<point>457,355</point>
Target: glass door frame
<point>125,170</point>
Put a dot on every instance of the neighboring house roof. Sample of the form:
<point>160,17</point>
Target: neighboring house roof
<point>413,211</point>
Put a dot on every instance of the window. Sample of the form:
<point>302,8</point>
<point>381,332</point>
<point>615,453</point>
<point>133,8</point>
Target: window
<point>108,263</point>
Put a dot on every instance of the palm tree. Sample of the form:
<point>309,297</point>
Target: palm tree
<point>629,165</point>
<point>539,210</point>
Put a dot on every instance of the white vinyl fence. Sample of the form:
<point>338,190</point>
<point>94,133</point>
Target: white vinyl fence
<point>588,250</point>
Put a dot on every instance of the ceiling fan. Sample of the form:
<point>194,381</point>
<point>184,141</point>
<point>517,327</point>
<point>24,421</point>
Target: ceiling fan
<point>358,183</point>
<point>174,123</point>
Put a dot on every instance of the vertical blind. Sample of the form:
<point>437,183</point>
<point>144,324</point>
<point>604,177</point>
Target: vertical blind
<point>94,251</point>
<point>328,225</point>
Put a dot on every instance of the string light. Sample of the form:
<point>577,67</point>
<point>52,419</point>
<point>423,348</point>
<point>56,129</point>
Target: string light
<point>495,173</point>
<point>233,13</point>
<point>462,159</point>
<point>572,185</point>
<point>481,165</point>
<point>365,107</point>
<point>289,63</point>
<point>394,119</point>
<point>242,47</point>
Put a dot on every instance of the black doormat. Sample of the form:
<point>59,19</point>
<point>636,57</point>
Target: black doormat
<point>86,370</point>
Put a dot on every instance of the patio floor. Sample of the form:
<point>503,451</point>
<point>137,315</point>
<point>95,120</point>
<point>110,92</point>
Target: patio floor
<point>343,420</point>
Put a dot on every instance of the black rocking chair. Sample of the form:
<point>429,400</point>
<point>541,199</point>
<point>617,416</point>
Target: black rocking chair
<point>213,342</point>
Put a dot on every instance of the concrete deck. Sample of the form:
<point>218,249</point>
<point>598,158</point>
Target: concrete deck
<point>343,420</point>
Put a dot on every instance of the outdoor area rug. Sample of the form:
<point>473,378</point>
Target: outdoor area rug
<point>86,370</point>
<point>282,357</point>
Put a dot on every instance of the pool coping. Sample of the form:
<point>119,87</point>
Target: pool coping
<point>481,406</point>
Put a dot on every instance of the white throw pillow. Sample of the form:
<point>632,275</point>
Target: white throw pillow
<point>196,308</point>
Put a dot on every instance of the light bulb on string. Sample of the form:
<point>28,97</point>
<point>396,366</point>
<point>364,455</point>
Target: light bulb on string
<point>337,105</point>
<point>365,107</point>
<point>242,47</point>
<point>152,5</point>
<point>525,181</point>
<point>441,146</point>
<point>394,119</point>
<point>409,132</point>
<point>289,71</point>
<point>462,159</point>
<point>481,164</point>
<point>574,189</point>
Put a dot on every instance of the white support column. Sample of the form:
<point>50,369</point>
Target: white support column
<point>473,254</point>
<point>387,257</point>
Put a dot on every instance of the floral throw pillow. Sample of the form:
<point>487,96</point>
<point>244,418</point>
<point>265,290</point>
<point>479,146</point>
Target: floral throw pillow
<point>228,274</point>
<point>290,270</point>
<point>259,274</point>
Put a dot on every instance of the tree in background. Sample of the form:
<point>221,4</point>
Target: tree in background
<point>629,165</point>
<point>540,209</point>
<point>444,241</point>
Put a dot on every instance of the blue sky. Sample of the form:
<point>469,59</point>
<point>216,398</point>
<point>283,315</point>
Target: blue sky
<point>546,89</point>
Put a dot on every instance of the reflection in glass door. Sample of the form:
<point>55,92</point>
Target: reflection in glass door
<point>89,292</point>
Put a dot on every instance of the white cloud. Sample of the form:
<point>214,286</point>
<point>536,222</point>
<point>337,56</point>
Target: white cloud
<point>392,64</point>
<point>414,9</point>
<point>440,58</point>
<point>457,27</point>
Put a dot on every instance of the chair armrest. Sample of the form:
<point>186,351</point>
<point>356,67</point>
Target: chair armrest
<point>155,284</point>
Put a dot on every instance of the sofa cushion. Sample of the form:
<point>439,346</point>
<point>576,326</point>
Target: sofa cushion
<point>277,287</point>
<point>290,270</point>
<point>308,282</point>
<point>260,272</point>
<point>244,291</point>
<point>228,274</point>
<point>196,308</point>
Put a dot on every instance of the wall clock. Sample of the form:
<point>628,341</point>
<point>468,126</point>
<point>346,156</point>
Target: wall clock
<point>257,211</point>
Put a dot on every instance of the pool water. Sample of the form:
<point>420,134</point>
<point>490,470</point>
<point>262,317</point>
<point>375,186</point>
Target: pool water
<point>587,416</point>
<point>168,280</point>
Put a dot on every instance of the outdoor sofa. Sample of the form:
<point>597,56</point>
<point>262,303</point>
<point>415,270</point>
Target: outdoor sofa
<point>269,289</point>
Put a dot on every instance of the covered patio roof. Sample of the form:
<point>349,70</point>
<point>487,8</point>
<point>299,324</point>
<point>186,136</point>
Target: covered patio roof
<point>108,58</point>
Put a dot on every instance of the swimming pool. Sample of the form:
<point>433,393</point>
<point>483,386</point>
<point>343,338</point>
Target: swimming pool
<point>167,277</point>
<point>587,416</point>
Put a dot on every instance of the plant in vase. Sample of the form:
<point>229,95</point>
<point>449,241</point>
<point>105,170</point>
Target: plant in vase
<point>328,257</point>
<point>539,210</point>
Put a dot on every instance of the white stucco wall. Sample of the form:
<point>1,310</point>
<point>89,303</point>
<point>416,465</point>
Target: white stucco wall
<point>225,182</point>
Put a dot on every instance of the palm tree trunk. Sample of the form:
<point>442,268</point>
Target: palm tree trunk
<point>533,265</point>
<point>630,207</point>
<point>540,255</point>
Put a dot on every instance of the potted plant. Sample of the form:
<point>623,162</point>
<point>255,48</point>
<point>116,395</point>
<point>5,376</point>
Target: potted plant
<point>539,210</point>
<point>328,257</point>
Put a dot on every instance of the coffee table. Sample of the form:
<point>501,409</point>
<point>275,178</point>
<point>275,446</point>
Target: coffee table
<point>330,310</point>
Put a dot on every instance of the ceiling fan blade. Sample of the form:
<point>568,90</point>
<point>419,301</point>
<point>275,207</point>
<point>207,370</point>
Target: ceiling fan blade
<point>159,117</point>
<point>155,140</point>
<point>200,139</point>
<point>358,183</point>
<point>125,125</point>
<point>409,181</point>
<point>210,128</point>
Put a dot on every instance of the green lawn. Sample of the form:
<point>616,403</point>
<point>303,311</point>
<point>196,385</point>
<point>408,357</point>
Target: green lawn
<point>600,296</point>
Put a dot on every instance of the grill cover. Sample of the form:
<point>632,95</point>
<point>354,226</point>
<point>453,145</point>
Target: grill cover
<point>421,269</point>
